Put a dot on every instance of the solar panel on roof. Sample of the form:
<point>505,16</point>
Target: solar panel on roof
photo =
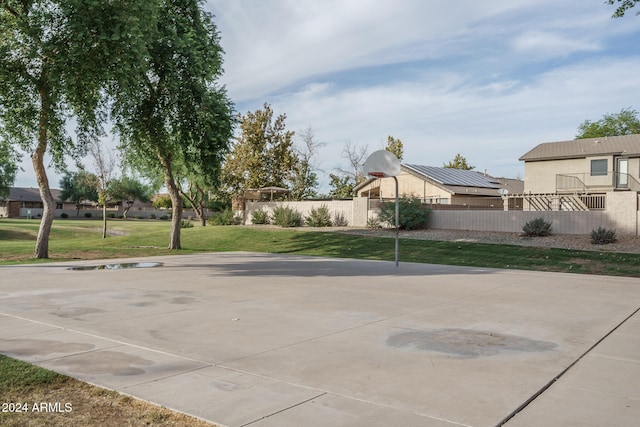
<point>460,177</point>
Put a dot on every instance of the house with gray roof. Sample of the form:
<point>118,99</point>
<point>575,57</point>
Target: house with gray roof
<point>26,201</point>
<point>583,166</point>
<point>442,186</point>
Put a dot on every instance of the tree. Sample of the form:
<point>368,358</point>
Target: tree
<point>162,202</point>
<point>194,190</point>
<point>342,186</point>
<point>347,179</point>
<point>78,187</point>
<point>623,7</point>
<point>104,164</point>
<point>8,168</point>
<point>626,122</point>
<point>355,155</point>
<point>55,56</point>
<point>394,145</point>
<point>458,162</point>
<point>126,190</point>
<point>173,115</point>
<point>305,180</point>
<point>262,155</point>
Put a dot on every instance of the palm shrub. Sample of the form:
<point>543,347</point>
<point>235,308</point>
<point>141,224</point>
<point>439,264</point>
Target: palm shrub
<point>603,236</point>
<point>413,214</point>
<point>320,217</point>
<point>260,217</point>
<point>285,216</point>
<point>537,227</point>
<point>186,224</point>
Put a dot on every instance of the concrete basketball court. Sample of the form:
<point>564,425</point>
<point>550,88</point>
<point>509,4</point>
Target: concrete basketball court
<point>274,340</point>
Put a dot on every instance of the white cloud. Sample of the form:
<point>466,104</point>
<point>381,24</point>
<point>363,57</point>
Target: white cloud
<point>272,44</point>
<point>551,44</point>
<point>492,124</point>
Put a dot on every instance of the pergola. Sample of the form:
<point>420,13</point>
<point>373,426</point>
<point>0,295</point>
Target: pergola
<point>257,194</point>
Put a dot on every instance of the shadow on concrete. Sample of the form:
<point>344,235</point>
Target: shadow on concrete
<point>304,266</point>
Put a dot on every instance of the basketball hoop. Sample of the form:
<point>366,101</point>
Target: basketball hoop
<point>384,164</point>
<point>378,174</point>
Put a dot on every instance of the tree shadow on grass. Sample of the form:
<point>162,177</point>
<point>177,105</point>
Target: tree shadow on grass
<point>15,235</point>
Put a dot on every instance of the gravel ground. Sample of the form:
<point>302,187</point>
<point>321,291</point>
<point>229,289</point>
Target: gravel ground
<point>626,244</point>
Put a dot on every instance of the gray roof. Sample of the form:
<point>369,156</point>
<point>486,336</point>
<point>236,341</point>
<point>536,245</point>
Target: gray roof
<point>457,181</point>
<point>457,177</point>
<point>628,145</point>
<point>29,194</point>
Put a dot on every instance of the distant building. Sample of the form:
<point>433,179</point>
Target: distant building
<point>437,185</point>
<point>584,166</point>
<point>26,202</point>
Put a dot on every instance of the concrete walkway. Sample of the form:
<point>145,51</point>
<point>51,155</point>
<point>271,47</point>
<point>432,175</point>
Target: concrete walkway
<point>273,340</point>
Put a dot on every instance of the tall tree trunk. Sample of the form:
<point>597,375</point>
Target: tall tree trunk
<point>176,216</point>
<point>203,219</point>
<point>49,204</point>
<point>195,196</point>
<point>176,202</point>
<point>104,219</point>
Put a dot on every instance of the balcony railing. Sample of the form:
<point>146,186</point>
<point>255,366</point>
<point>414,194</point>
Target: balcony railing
<point>583,183</point>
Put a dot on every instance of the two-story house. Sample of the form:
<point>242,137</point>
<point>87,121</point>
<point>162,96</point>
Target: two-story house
<point>583,166</point>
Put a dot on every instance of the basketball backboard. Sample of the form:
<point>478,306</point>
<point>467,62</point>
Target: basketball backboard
<point>382,164</point>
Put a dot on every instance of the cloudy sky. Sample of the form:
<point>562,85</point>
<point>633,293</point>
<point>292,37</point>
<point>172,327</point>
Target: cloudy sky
<point>488,79</point>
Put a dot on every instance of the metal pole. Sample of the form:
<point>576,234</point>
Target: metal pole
<point>397,219</point>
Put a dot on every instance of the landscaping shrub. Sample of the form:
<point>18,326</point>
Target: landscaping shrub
<point>64,215</point>
<point>260,217</point>
<point>186,224</point>
<point>537,228</point>
<point>87,215</point>
<point>286,217</point>
<point>226,217</point>
<point>339,220</point>
<point>152,216</point>
<point>603,236</point>
<point>164,217</point>
<point>373,223</point>
<point>413,214</point>
<point>111,215</point>
<point>320,217</point>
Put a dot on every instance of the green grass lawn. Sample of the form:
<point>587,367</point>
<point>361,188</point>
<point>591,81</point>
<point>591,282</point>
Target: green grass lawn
<point>81,239</point>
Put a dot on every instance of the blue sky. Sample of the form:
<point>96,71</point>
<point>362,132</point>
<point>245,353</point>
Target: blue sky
<point>489,79</point>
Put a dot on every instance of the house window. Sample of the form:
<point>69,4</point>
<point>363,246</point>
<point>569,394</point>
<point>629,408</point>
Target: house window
<point>599,167</point>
